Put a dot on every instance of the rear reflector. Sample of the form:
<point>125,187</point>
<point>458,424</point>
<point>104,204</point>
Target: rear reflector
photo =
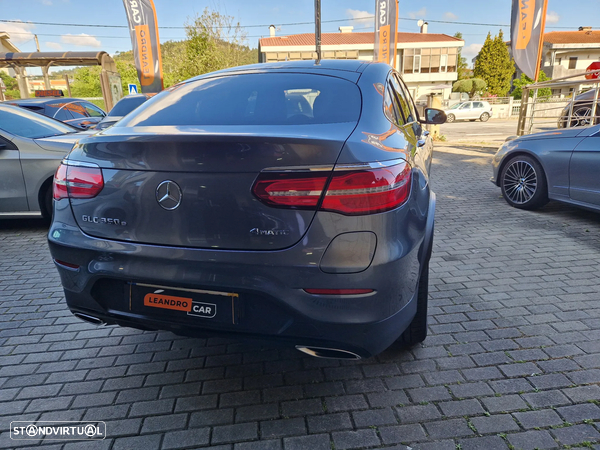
<point>350,192</point>
<point>77,182</point>
<point>338,291</point>
<point>66,264</point>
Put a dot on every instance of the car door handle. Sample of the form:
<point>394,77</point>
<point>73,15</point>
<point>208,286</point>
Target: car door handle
<point>421,142</point>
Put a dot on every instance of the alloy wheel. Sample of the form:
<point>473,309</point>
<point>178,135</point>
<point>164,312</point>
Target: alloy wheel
<point>520,182</point>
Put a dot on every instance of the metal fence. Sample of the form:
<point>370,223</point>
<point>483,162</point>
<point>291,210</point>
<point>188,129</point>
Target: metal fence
<point>580,109</point>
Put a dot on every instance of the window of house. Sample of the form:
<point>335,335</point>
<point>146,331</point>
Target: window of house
<point>572,62</point>
<point>417,64</point>
<point>444,63</point>
<point>430,60</point>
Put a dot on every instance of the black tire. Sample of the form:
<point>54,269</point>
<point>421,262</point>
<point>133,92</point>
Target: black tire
<point>417,330</point>
<point>46,203</point>
<point>523,183</point>
<point>450,118</point>
<point>484,117</point>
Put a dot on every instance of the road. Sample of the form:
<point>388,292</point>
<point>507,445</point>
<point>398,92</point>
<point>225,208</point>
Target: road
<point>493,131</point>
<point>512,360</point>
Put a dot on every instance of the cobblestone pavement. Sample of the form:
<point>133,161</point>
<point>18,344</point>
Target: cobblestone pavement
<point>512,359</point>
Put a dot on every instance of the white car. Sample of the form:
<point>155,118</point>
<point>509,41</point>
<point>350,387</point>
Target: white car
<point>471,110</point>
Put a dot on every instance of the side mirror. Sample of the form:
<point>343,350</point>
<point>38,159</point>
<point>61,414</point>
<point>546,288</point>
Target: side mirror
<point>434,116</point>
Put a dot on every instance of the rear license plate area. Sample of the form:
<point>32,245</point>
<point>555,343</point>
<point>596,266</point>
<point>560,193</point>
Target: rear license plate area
<point>183,304</point>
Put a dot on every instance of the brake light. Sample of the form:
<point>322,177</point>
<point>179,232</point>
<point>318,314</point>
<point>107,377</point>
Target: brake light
<point>350,191</point>
<point>72,181</point>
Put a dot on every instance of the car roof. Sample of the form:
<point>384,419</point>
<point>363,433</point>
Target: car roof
<point>324,65</point>
<point>44,100</point>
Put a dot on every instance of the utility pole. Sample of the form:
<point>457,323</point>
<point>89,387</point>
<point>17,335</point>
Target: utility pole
<point>318,29</point>
<point>44,69</point>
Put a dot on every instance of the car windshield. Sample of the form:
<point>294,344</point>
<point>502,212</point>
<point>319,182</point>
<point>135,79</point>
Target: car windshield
<point>458,105</point>
<point>252,99</point>
<point>27,124</point>
<point>126,105</point>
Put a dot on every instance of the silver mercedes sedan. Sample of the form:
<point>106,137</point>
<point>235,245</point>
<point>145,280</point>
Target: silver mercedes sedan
<point>31,148</point>
<point>560,165</point>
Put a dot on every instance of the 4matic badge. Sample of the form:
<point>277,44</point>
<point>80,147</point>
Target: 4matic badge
<point>259,232</point>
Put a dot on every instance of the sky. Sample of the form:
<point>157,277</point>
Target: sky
<point>73,19</point>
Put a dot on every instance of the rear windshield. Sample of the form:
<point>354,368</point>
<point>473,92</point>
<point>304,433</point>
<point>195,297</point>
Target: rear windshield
<point>252,99</point>
<point>126,105</point>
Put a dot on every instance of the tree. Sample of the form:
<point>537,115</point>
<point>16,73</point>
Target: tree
<point>518,84</point>
<point>86,82</point>
<point>461,63</point>
<point>12,87</point>
<point>214,41</point>
<point>494,65</point>
<point>470,86</point>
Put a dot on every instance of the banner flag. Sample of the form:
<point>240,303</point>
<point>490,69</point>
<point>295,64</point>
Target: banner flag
<point>527,34</point>
<point>386,31</point>
<point>143,28</point>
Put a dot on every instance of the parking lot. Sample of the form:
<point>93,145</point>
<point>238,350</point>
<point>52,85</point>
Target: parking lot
<point>512,359</point>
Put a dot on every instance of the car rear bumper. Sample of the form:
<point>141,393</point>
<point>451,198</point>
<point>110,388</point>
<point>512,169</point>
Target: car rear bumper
<point>271,301</point>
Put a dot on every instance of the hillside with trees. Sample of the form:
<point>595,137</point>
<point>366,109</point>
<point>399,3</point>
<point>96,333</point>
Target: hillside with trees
<point>213,41</point>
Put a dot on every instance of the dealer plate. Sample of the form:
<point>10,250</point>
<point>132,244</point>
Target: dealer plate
<point>180,302</point>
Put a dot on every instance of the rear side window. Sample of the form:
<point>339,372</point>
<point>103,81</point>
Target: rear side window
<point>478,105</point>
<point>252,99</point>
<point>57,111</point>
<point>92,110</point>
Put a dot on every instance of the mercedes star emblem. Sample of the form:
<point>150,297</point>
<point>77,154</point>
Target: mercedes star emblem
<point>168,195</point>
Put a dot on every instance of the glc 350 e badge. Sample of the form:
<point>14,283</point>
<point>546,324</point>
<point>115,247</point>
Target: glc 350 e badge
<point>168,195</point>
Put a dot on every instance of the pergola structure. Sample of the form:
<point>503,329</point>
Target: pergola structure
<point>110,79</point>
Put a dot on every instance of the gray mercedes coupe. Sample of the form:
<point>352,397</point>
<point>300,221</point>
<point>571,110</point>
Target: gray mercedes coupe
<point>560,165</point>
<point>289,201</point>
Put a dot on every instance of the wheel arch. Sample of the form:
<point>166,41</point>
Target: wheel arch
<point>520,152</point>
<point>46,184</point>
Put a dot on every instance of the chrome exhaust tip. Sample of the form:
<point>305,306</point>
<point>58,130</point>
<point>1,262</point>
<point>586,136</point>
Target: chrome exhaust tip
<point>89,319</point>
<point>330,353</point>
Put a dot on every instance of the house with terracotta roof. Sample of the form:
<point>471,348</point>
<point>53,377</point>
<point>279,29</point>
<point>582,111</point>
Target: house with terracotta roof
<point>427,61</point>
<point>570,52</point>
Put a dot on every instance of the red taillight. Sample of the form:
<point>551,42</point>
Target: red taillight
<point>368,191</point>
<point>301,190</point>
<point>77,182</point>
<point>350,192</point>
<point>60,183</point>
<point>338,291</point>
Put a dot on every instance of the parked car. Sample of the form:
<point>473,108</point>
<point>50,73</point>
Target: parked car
<point>581,114</point>
<point>75,112</point>
<point>471,110</point>
<point>31,148</point>
<point>219,207</point>
<point>121,109</point>
<point>555,165</point>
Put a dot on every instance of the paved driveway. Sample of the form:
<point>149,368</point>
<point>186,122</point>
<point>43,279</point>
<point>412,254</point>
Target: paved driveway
<point>512,360</point>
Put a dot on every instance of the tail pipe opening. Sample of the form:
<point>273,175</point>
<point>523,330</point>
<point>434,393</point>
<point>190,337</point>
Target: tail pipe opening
<point>331,353</point>
<point>89,319</point>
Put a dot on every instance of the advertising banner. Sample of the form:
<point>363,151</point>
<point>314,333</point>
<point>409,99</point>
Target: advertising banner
<point>527,34</point>
<point>143,28</point>
<point>386,29</point>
